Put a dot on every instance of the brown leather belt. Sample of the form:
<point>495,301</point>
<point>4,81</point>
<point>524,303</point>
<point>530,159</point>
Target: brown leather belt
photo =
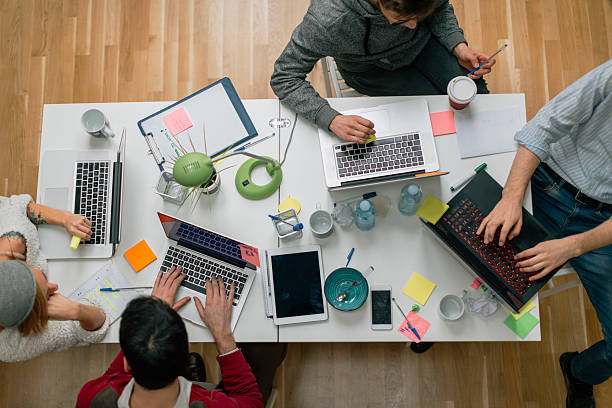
<point>578,196</point>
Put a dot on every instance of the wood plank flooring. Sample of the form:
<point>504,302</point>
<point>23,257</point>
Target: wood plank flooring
<point>64,51</point>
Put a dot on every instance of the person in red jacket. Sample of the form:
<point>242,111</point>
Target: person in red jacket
<point>154,352</point>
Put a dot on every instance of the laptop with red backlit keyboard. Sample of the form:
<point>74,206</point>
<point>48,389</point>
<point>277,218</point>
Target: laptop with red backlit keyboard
<point>493,264</point>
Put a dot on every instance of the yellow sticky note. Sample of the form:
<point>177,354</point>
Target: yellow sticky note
<point>370,139</point>
<point>419,288</point>
<point>140,255</point>
<point>526,307</point>
<point>432,209</point>
<point>288,203</point>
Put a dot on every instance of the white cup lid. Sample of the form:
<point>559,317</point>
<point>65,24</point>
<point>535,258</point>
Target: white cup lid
<point>462,88</point>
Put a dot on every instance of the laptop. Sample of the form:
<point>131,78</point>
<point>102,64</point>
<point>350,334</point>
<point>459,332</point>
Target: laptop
<point>89,183</point>
<point>403,148</point>
<point>203,254</point>
<point>493,264</point>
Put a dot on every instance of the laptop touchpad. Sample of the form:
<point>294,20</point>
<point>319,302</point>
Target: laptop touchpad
<point>57,198</point>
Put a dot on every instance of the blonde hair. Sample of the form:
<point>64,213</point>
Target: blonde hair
<point>38,318</point>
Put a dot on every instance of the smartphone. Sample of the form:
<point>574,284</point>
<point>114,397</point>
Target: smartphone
<point>381,307</point>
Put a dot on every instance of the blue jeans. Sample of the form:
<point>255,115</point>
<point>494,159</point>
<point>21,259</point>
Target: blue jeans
<point>562,215</point>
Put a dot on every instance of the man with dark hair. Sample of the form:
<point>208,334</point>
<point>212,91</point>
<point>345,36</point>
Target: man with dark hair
<point>148,372</point>
<point>381,47</point>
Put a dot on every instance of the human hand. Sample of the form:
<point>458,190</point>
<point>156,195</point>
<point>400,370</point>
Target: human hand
<point>470,59</point>
<point>352,128</point>
<point>59,307</point>
<point>217,314</point>
<point>546,256</point>
<point>507,213</point>
<point>78,225</point>
<point>167,284</point>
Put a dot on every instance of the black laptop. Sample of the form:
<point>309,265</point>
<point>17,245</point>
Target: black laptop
<point>493,264</point>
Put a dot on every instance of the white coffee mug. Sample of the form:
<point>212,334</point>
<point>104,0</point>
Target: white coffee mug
<point>321,223</point>
<point>451,307</point>
<point>96,124</point>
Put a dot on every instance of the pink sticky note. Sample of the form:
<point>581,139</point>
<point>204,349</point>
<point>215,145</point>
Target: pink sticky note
<point>177,121</point>
<point>442,123</point>
<point>476,284</point>
<point>249,254</point>
<point>421,325</point>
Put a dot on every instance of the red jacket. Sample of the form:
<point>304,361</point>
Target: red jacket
<point>240,387</point>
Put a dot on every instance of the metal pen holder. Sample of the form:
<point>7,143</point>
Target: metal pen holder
<point>170,190</point>
<point>283,230</point>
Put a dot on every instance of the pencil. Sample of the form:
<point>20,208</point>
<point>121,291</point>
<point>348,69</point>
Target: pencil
<point>488,59</point>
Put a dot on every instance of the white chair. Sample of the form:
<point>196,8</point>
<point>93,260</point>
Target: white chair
<point>333,78</point>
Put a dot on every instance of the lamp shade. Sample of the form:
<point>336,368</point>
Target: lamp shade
<point>193,169</point>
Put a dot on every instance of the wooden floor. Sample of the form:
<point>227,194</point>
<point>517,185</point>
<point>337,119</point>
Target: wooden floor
<point>63,51</point>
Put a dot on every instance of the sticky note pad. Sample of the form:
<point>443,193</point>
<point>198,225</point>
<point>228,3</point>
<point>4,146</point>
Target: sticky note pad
<point>140,255</point>
<point>442,123</point>
<point>526,307</point>
<point>421,326</point>
<point>419,288</point>
<point>371,139</point>
<point>249,254</point>
<point>432,209</point>
<point>177,121</point>
<point>522,326</point>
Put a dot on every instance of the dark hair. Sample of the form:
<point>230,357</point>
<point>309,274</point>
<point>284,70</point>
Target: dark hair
<point>154,342</point>
<point>409,8</point>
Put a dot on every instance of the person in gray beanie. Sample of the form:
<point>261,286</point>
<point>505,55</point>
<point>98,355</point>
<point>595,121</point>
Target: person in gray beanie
<point>34,317</point>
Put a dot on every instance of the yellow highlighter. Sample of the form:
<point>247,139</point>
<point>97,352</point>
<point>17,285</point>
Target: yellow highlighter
<point>74,242</point>
<point>370,139</point>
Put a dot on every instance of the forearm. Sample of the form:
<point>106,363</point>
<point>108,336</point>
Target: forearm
<point>90,317</point>
<point>524,164</point>
<point>41,214</point>
<point>593,239</point>
<point>225,343</point>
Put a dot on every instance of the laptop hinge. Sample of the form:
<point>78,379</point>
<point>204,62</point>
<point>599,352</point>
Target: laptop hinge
<point>381,178</point>
<point>198,248</point>
<point>116,203</point>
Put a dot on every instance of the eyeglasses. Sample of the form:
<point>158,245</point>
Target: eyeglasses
<point>393,23</point>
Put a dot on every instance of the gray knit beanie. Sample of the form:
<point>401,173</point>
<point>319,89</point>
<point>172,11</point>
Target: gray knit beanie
<point>17,293</point>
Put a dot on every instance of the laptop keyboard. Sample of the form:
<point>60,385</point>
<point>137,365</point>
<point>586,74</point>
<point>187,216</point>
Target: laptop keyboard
<point>465,220</point>
<point>91,197</point>
<point>384,154</point>
<point>199,269</point>
<point>209,240</point>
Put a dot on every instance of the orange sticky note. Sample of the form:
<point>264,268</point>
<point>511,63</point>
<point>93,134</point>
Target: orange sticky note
<point>249,254</point>
<point>442,123</point>
<point>140,255</point>
<point>177,121</point>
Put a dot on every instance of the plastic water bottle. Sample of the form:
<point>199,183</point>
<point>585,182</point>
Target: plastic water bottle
<point>410,198</point>
<point>365,216</point>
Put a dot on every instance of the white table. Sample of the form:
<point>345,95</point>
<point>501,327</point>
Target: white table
<point>228,212</point>
<point>398,245</point>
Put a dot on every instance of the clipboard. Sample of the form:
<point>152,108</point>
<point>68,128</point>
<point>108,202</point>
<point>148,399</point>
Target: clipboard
<point>215,111</point>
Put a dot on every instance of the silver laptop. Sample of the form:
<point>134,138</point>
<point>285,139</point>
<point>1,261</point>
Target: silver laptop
<point>404,149</point>
<point>88,183</point>
<point>204,254</point>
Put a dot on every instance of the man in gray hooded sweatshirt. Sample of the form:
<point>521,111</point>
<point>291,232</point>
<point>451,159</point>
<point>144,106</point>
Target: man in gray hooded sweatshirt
<point>381,47</point>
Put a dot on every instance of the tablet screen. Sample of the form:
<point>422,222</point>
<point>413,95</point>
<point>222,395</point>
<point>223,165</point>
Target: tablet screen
<point>297,284</point>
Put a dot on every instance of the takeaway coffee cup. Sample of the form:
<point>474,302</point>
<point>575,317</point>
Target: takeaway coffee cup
<point>461,90</point>
<point>451,307</point>
<point>96,124</point>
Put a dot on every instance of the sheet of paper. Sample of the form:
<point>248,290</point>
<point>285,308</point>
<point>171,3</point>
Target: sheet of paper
<point>113,303</point>
<point>526,308</point>
<point>442,123</point>
<point>249,254</point>
<point>380,118</point>
<point>419,288</point>
<point>140,255</point>
<point>487,132</point>
<point>421,325</point>
<point>523,326</point>
<point>432,209</point>
<point>476,284</point>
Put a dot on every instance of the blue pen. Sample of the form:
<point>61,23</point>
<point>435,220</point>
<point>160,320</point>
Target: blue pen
<point>350,255</point>
<point>296,227</point>
<point>241,148</point>
<point>120,289</point>
<point>406,318</point>
<point>488,59</point>
<point>359,198</point>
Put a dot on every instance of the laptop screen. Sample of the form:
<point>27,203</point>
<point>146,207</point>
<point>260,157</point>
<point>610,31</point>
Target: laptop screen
<point>179,230</point>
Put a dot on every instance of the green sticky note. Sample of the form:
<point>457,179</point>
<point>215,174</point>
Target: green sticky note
<point>432,209</point>
<point>523,326</point>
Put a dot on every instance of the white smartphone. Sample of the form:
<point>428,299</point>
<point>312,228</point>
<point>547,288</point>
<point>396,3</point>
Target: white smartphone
<point>381,307</point>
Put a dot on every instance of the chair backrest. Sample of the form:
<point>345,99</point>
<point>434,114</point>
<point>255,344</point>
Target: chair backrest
<point>333,79</point>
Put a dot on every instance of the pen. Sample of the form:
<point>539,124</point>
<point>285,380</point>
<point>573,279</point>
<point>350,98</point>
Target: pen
<point>296,227</point>
<point>487,60</point>
<point>350,255</point>
<point>118,289</point>
<point>406,318</point>
<point>468,177</point>
<point>241,148</point>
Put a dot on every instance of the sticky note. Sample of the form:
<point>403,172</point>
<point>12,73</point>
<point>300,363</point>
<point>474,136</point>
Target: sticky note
<point>288,203</point>
<point>177,121</point>
<point>443,123</point>
<point>526,307</point>
<point>419,288</point>
<point>476,284</point>
<point>140,255</point>
<point>523,326</point>
<point>249,254</point>
<point>370,139</point>
<point>421,326</point>
<point>432,209</point>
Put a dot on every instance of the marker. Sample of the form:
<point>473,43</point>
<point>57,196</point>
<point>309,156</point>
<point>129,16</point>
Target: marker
<point>432,173</point>
<point>358,198</point>
<point>406,318</point>
<point>348,258</point>
<point>241,148</point>
<point>487,60</point>
<point>468,177</point>
<point>119,289</point>
<point>74,242</point>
